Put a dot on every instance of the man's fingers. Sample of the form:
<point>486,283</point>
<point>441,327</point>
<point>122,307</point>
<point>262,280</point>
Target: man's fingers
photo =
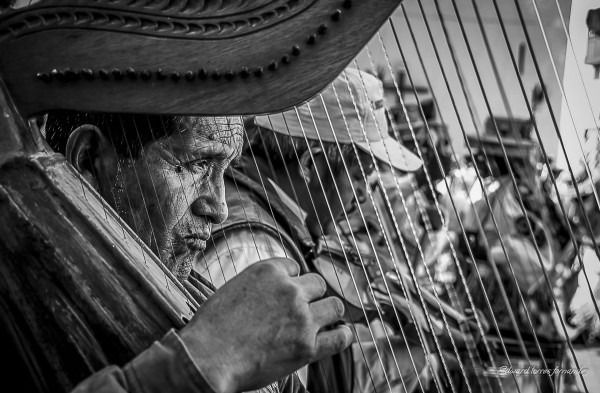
<point>313,286</point>
<point>330,342</point>
<point>327,311</point>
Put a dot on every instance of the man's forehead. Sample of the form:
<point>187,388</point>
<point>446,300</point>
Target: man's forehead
<point>226,130</point>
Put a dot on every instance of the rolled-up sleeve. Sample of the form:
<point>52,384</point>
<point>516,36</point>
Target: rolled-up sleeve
<point>164,367</point>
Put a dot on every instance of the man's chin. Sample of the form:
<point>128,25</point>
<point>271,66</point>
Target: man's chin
<point>181,264</point>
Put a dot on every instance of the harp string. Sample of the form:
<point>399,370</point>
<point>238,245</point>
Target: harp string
<point>487,200</point>
<point>564,152</point>
<point>445,179</point>
<point>145,249</point>
<point>406,293</point>
<point>418,245</point>
<point>410,267</point>
<point>178,131</point>
<point>430,184</point>
<point>570,42</point>
<point>193,257</point>
<point>119,176</point>
<point>428,226</point>
<point>472,352</point>
<point>550,172</point>
<point>282,245</point>
<point>520,198</point>
<point>479,177</point>
<point>428,232</point>
<point>553,117</point>
<point>563,92</point>
<point>296,199</point>
<point>379,312</point>
<point>158,201</point>
<point>353,279</point>
<point>506,159</point>
<point>143,154</point>
<point>360,344</point>
<point>422,211</point>
<point>188,204</point>
<point>479,222</point>
<point>494,66</point>
<point>369,236</point>
<point>546,160</point>
<point>514,183</point>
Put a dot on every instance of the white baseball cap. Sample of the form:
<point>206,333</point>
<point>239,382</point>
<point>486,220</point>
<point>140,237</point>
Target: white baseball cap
<point>354,103</point>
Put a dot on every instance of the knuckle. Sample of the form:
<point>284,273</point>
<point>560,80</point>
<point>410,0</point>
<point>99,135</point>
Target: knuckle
<point>321,281</point>
<point>306,349</point>
<point>263,268</point>
<point>317,280</point>
<point>339,341</point>
<point>303,318</point>
<point>338,307</point>
<point>294,292</point>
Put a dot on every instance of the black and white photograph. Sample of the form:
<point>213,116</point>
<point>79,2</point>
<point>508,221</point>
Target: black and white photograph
<point>294,196</point>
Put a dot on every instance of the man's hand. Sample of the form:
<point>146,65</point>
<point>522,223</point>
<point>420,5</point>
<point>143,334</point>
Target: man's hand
<point>264,324</point>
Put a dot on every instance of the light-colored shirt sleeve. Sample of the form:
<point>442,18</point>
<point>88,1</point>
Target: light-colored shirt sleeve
<point>231,253</point>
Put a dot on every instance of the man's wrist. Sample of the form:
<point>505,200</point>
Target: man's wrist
<point>206,357</point>
<point>166,366</point>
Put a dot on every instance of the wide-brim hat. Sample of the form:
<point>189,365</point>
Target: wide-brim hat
<point>350,110</point>
<point>180,58</point>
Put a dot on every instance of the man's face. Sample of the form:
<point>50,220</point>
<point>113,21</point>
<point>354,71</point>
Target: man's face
<point>351,189</point>
<point>174,191</point>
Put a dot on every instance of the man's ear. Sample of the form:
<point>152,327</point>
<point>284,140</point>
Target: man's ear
<point>84,148</point>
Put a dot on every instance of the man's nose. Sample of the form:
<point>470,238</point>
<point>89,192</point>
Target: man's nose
<point>211,203</point>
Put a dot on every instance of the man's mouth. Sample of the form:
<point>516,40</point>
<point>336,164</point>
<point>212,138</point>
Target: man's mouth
<point>196,242</point>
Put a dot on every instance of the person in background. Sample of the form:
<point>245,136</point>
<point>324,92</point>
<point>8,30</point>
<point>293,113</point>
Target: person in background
<point>292,185</point>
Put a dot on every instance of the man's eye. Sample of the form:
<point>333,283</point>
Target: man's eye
<point>200,164</point>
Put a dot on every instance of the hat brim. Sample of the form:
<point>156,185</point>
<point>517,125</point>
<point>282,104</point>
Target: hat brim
<point>393,153</point>
<point>401,158</point>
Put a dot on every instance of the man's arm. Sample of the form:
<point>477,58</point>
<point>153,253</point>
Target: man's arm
<point>164,367</point>
<point>259,327</point>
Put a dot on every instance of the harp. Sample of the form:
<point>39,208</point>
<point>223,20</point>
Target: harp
<point>479,266</point>
<point>67,313</point>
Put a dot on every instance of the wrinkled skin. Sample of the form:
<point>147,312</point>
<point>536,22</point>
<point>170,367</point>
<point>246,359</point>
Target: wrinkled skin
<point>262,325</point>
<point>250,345</point>
<point>175,192</point>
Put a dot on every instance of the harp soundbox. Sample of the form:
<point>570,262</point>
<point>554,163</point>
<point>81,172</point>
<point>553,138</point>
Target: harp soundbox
<point>79,290</point>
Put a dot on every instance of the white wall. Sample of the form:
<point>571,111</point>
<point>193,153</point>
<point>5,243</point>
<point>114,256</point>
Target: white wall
<point>580,113</point>
<point>552,27</point>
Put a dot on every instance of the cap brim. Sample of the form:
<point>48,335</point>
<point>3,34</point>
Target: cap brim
<point>393,153</point>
